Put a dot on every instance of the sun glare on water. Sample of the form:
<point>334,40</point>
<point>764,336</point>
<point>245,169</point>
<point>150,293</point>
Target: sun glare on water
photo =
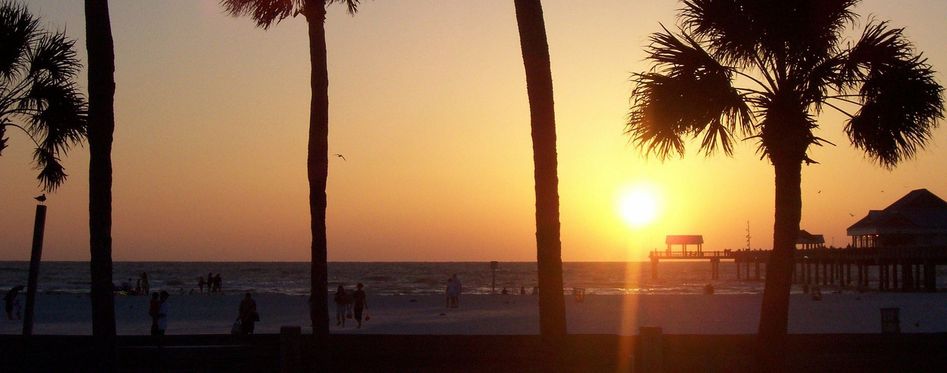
<point>639,205</point>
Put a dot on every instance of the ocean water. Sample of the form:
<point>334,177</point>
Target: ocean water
<point>393,278</point>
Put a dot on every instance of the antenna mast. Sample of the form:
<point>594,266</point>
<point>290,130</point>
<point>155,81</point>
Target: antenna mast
<point>748,235</point>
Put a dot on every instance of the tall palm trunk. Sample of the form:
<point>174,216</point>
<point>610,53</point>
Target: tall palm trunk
<point>318,169</point>
<point>532,30</point>
<point>774,315</point>
<point>101,124</point>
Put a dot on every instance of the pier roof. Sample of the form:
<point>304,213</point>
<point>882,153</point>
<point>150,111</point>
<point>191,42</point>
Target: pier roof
<point>684,239</point>
<point>919,211</point>
<point>806,238</point>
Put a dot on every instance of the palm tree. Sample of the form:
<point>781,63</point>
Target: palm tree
<point>791,61</point>
<point>38,94</point>
<point>101,126</point>
<point>535,49</point>
<point>265,13</point>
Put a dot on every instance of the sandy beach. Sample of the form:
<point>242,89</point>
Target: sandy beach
<point>509,314</point>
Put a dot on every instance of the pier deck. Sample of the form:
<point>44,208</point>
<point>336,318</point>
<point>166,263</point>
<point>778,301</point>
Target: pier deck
<point>831,266</point>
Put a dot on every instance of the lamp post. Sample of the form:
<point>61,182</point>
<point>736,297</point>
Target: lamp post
<point>39,227</point>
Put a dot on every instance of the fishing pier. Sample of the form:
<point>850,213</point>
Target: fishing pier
<point>891,269</point>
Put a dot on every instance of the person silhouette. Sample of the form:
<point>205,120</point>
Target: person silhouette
<point>248,314</point>
<point>359,303</point>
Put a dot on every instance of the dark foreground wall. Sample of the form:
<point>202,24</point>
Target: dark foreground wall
<point>396,353</point>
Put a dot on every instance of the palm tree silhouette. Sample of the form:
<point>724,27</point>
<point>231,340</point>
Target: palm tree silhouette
<point>101,127</point>
<point>265,13</point>
<point>535,49</point>
<point>38,94</point>
<point>794,62</point>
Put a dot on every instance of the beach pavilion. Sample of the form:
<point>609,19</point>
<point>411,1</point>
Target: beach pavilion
<point>808,240</point>
<point>919,219</point>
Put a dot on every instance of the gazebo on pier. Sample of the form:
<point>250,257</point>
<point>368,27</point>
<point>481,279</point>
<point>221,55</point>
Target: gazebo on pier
<point>808,240</point>
<point>685,240</point>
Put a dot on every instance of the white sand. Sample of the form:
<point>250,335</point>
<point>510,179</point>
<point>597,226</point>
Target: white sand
<point>512,314</point>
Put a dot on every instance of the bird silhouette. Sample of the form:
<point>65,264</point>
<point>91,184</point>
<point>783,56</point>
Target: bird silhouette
<point>851,214</point>
<point>819,192</point>
<point>41,198</point>
<point>340,156</point>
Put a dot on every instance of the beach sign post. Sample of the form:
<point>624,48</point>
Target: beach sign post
<point>493,268</point>
<point>39,227</point>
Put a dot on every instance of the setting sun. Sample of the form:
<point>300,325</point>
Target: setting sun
<point>639,205</point>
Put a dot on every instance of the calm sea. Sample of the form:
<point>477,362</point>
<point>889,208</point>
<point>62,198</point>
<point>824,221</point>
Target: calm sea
<point>391,278</point>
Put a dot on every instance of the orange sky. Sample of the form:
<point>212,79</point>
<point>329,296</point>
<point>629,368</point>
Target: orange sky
<point>428,104</point>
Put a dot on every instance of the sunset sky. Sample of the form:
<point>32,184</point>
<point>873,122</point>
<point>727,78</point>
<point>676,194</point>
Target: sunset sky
<point>428,104</point>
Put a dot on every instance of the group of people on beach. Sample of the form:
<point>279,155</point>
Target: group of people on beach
<point>350,305</point>
<point>142,286</point>
<point>11,303</point>
<point>214,283</point>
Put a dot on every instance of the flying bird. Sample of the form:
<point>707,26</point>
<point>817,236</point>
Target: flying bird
<point>41,198</point>
<point>851,214</point>
<point>340,156</point>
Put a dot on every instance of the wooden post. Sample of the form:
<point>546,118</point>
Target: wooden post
<point>654,268</point>
<point>930,277</point>
<point>39,228</point>
<point>907,277</point>
<point>651,349</point>
<point>290,349</point>
<point>860,269</point>
<point>894,276</point>
<point>917,276</point>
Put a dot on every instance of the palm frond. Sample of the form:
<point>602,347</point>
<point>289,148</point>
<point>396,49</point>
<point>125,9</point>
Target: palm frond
<point>3,136</point>
<point>51,172</point>
<point>902,104</point>
<point>351,6</point>
<point>37,87</point>
<point>878,46</point>
<point>688,94</point>
<point>53,57</point>
<point>17,30</point>
<point>741,32</point>
<point>264,12</point>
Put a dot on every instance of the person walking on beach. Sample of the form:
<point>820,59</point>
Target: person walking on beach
<point>454,289</point>
<point>218,283</point>
<point>248,315</point>
<point>343,304</point>
<point>154,307</point>
<point>449,292</point>
<point>210,282</point>
<point>145,285</point>
<point>200,284</point>
<point>163,313</point>
<point>359,304</point>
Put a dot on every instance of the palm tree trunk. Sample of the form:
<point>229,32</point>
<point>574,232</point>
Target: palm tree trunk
<point>318,170</point>
<point>101,122</point>
<point>532,30</point>
<point>774,314</point>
